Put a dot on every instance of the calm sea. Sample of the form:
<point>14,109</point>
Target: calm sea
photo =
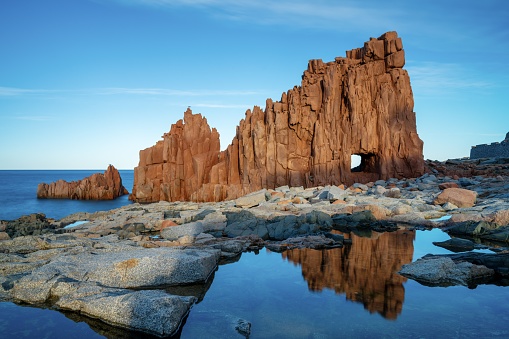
<point>18,193</point>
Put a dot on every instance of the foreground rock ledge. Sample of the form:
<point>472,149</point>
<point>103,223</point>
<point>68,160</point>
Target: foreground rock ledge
<point>96,278</point>
<point>107,186</point>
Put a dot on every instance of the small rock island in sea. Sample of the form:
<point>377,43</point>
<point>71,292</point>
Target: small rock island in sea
<point>98,186</point>
<point>285,182</point>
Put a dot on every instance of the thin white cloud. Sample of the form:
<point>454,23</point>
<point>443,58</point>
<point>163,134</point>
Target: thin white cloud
<point>11,91</point>
<point>173,92</point>
<point>437,78</point>
<point>318,13</point>
<point>34,118</point>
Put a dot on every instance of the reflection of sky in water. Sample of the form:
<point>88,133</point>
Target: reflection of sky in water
<point>444,218</point>
<point>423,243</point>
<point>77,223</point>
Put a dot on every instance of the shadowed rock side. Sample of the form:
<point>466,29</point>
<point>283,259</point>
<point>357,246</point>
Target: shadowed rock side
<point>107,186</point>
<point>358,105</point>
<point>366,271</point>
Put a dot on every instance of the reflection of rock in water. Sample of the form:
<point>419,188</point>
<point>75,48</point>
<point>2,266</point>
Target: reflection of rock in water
<point>366,271</point>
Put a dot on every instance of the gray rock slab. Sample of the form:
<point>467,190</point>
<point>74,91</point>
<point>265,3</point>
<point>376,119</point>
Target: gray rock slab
<point>278,227</point>
<point>336,193</point>
<point>150,311</point>
<point>284,227</point>
<point>141,268</point>
<point>443,271</point>
<point>252,199</point>
<point>174,232</point>
<point>393,193</point>
<point>456,244</point>
<point>245,223</point>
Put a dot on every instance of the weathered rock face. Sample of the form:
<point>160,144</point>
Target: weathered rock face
<point>107,186</point>
<point>178,166</point>
<point>358,105</point>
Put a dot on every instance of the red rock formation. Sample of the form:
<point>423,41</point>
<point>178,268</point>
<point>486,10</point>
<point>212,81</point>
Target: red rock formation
<point>180,164</point>
<point>107,186</point>
<point>361,104</point>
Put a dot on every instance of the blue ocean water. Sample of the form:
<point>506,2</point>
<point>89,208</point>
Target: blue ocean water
<point>18,193</point>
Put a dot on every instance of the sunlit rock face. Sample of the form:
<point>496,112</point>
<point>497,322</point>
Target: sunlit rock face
<point>358,105</point>
<point>365,272</point>
<point>98,186</point>
<point>178,166</point>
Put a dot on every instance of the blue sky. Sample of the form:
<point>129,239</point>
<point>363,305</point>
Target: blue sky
<point>86,83</point>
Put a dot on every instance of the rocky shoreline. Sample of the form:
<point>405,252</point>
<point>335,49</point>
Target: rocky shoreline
<point>120,266</point>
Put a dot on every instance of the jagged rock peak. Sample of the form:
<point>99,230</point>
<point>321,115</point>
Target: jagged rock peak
<point>358,105</point>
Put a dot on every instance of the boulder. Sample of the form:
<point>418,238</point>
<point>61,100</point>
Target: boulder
<point>457,196</point>
<point>335,193</point>
<point>379,190</point>
<point>393,193</point>
<point>252,199</point>
<point>245,223</point>
<point>174,232</point>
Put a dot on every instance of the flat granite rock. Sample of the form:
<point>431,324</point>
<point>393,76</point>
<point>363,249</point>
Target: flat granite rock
<point>139,268</point>
<point>443,271</point>
<point>150,311</point>
<point>99,285</point>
